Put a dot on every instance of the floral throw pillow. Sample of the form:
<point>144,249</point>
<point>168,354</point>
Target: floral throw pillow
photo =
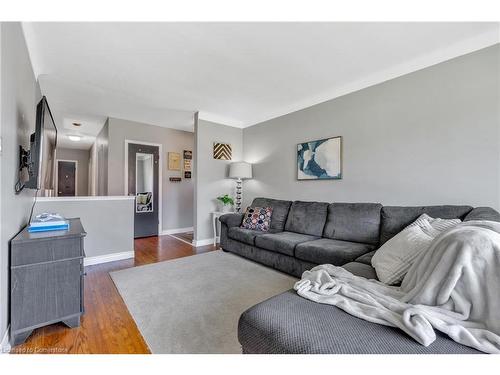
<point>257,218</point>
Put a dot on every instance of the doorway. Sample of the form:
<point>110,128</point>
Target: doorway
<point>67,178</point>
<point>142,181</point>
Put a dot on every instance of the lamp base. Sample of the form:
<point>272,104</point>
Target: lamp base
<point>238,195</point>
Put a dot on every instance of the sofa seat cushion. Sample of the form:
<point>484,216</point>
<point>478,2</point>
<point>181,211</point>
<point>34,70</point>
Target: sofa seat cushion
<point>327,251</point>
<point>283,242</point>
<point>244,235</point>
<point>290,324</point>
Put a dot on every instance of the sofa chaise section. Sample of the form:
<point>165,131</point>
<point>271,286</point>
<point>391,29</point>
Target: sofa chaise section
<point>290,324</point>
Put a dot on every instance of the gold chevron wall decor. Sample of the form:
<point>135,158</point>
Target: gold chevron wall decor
<point>222,151</point>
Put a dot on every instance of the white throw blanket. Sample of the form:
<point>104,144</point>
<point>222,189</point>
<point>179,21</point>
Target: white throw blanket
<point>453,287</point>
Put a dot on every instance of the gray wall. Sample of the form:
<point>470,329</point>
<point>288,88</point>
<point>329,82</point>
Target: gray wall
<point>93,170</point>
<point>429,137</point>
<point>82,157</point>
<point>109,222</point>
<point>211,174</point>
<point>101,145</point>
<point>178,197</point>
<point>19,93</point>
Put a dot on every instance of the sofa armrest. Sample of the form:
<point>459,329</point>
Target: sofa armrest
<point>483,213</point>
<point>232,219</point>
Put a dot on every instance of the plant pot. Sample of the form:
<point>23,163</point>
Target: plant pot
<point>225,208</point>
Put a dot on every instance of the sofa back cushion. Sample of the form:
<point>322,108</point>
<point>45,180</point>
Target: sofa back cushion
<point>355,222</point>
<point>307,218</point>
<point>280,212</point>
<point>483,213</point>
<point>396,218</point>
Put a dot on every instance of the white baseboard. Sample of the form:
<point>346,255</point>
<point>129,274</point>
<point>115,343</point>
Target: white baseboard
<point>176,230</point>
<point>90,261</point>
<point>5,344</point>
<point>208,241</point>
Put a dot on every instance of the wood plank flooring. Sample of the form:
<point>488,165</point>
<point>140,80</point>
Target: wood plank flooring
<point>188,236</point>
<point>107,326</point>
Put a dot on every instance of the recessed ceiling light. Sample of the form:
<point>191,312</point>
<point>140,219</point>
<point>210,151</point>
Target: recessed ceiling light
<point>74,138</point>
<point>77,124</point>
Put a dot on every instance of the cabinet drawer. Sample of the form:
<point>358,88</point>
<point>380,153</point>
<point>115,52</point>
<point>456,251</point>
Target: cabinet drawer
<point>45,251</point>
<point>45,292</point>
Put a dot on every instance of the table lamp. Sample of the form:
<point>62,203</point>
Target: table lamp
<point>239,171</point>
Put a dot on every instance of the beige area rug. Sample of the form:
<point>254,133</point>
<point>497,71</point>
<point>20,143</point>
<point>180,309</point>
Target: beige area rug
<point>192,304</point>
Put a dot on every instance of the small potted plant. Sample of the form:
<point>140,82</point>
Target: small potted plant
<point>225,203</point>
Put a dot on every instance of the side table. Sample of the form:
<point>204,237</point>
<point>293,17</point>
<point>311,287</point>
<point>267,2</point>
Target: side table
<point>215,217</point>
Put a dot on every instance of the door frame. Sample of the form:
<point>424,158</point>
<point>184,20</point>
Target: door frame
<point>57,175</point>
<point>160,187</point>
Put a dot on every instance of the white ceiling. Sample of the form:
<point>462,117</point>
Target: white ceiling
<point>234,73</point>
<point>87,131</point>
<point>73,101</point>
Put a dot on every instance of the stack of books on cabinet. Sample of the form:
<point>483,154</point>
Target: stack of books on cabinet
<point>48,222</point>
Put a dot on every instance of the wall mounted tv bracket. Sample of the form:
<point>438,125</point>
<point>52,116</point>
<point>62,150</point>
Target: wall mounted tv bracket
<point>24,162</point>
<point>24,159</point>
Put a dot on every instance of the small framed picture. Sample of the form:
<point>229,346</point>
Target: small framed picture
<point>174,161</point>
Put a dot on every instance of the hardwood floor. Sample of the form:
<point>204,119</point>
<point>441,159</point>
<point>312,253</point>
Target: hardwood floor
<point>187,236</point>
<point>106,326</point>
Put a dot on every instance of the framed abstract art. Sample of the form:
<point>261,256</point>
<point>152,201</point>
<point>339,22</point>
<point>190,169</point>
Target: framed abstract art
<point>320,160</point>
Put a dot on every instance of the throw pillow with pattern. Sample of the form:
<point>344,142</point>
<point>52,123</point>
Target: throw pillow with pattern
<point>257,218</point>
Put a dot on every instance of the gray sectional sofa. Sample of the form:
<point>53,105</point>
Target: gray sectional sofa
<point>305,234</point>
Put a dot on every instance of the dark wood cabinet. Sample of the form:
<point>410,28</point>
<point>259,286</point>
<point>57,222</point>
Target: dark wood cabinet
<point>46,280</point>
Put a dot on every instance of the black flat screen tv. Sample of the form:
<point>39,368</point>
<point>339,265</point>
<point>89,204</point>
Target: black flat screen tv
<point>43,143</point>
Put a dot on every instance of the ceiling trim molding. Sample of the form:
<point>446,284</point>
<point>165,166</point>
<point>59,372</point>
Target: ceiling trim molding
<point>455,50</point>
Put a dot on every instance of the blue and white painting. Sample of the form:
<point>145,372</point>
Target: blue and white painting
<point>320,160</point>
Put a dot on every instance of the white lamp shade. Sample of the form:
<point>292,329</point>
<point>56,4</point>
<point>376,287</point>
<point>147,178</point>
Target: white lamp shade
<point>240,169</point>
